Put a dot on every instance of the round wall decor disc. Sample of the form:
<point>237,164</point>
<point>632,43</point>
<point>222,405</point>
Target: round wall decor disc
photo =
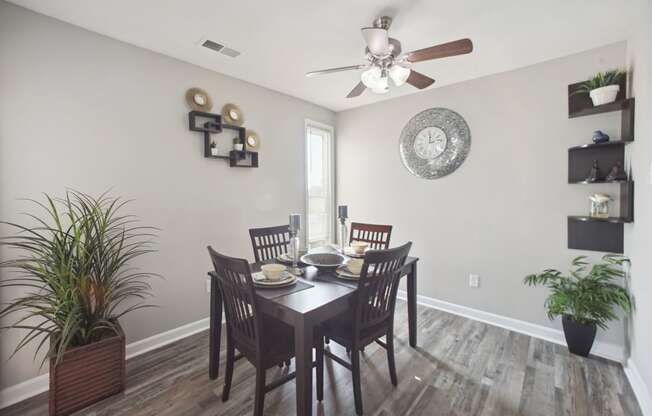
<point>232,115</point>
<point>252,140</point>
<point>198,99</point>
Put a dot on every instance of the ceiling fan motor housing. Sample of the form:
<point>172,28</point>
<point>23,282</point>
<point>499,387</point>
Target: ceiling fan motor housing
<point>383,22</point>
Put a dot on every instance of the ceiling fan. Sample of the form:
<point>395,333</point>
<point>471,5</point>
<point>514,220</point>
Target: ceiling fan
<point>386,62</point>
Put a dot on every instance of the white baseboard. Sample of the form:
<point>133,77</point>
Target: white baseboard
<point>601,349</point>
<point>25,390</point>
<point>40,384</point>
<point>159,340</point>
<point>640,388</point>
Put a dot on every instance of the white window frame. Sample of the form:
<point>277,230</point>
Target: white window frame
<point>331,150</point>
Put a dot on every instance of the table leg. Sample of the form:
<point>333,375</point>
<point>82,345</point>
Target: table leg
<point>215,330</point>
<point>412,304</point>
<point>303,333</point>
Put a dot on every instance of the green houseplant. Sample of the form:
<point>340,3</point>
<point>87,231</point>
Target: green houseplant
<point>603,87</point>
<point>73,266</point>
<point>586,299</point>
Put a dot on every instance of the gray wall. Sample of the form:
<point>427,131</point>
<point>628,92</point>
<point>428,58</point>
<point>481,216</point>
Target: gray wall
<point>81,110</point>
<point>502,214</point>
<point>638,236</point>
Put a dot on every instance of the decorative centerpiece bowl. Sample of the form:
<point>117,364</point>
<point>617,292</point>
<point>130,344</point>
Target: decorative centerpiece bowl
<point>323,260</point>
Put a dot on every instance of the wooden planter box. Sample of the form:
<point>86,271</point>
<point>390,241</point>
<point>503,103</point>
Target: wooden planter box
<point>87,375</point>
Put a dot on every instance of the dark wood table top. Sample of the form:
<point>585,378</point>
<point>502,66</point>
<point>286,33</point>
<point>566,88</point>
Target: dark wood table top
<point>326,288</point>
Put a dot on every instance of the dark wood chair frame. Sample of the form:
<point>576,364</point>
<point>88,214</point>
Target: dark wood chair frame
<point>270,242</point>
<point>373,313</point>
<point>246,333</point>
<point>375,234</point>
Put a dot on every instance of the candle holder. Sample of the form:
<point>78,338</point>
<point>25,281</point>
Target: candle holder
<point>342,214</point>
<point>295,243</point>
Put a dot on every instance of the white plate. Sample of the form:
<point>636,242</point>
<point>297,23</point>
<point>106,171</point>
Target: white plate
<point>344,273</point>
<point>260,280</point>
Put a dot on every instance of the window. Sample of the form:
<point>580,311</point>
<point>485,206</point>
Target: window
<point>320,182</point>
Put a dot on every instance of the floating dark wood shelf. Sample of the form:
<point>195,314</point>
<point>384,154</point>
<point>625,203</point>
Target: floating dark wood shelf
<point>619,105</point>
<point>616,220</point>
<point>605,236</point>
<point>596,182</point>
<point>614,143</point>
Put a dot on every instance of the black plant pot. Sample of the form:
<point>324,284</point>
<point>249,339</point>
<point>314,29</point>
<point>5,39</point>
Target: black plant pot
<point>579,338</point>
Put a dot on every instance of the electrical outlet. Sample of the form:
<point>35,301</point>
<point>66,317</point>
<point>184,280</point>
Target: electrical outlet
<point>474,280</point>
<point>208,285</point>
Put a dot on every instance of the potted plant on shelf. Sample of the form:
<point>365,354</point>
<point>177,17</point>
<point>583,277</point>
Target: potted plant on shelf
<point>586,299</point>
<point>238,146</point>
<point>603,87</point>
<point>73,264</point>
<point>213,148</point>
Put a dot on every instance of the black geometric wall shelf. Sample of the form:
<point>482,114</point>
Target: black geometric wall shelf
<point>209,123</point>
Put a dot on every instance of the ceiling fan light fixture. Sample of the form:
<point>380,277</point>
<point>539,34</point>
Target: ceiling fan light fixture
<point>376,80</point>
<point>399,74</point>
<point>370,77</point>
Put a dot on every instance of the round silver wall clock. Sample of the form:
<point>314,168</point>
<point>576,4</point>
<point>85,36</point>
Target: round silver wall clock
<point>434,143</point>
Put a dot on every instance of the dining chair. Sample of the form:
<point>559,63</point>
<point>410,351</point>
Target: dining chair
<point>372,316</point>
<point>270,242</point>
<point>375,234</point>
<point>261,339</point>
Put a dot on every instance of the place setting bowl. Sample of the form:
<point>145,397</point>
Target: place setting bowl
<point>350,270</point>
<point>272,276</point>
<point>356,249</point>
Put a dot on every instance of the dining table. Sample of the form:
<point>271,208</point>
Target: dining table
<point>318,295</point>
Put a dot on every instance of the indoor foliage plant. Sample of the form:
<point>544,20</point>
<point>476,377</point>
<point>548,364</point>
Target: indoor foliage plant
<point>586,299</point>
<point>71,267</point>
<point>603,87</point>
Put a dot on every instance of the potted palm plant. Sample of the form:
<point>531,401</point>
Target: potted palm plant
<point>73,264</point>
<point>603,87</point>
<point>586,299</point>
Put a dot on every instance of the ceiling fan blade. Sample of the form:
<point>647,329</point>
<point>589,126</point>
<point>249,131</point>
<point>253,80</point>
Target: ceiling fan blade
<point>417,79</point>
<point>376,39</point>
<point>333,70</point>
<point>357,90</point>
<point>457,47</point>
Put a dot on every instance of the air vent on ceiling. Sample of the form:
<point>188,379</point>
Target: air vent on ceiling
<point>217,47</point>
<point>212,45</point>
<point>230,52</point>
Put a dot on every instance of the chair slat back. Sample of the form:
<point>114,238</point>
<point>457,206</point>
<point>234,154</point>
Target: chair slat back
<point>238,293</point>
<point>378,286</point>
<point>375,234</point>
<point>270,242</point>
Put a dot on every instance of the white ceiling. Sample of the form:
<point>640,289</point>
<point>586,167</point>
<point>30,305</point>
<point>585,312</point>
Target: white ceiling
<point>280,40</point>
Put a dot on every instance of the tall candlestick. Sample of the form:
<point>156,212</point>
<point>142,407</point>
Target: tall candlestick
<point>342,212</point>
<point>295,222</point>
<point>295,226</point>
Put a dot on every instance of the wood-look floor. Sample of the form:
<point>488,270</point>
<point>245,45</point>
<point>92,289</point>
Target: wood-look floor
<point>462,367</point>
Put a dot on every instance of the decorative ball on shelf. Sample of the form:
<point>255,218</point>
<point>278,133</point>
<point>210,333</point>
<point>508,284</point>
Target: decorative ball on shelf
<point>600,137</point>
<point>198,99</point>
